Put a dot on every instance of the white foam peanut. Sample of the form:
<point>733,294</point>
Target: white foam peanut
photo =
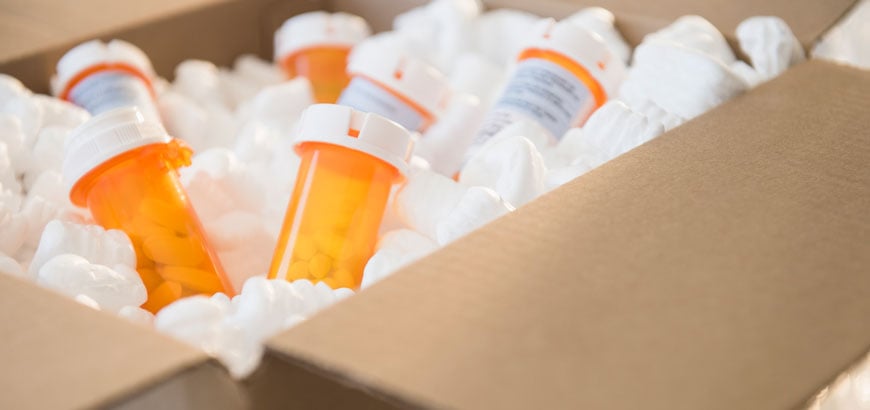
<point>477,207</point>
<point>445,142</point>
<point>426,198</point>
<point>682,81</point>
<point>92,242</point>
<point>601,21</point>
<point>112,288</point>
<point>10,266</point>
<point>697,33</point>
<point>770,45</point>
<point>510,165</point>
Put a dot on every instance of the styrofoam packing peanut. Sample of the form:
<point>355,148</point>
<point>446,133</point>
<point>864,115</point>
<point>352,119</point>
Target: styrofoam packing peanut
<point>426,198</point>
<point>510,165</point>
<point>770,45</point>
<point>111,287</point>
<point>13,137</point>
<point>611,131</point>
<point>10,266</point>
<point>445,142</point>
<point>47,153</point>
<point>846,42</point>
<point>442,27</point>
<point>97,245</point>
<point>680,80</point>
<point>477,207</point>
<point>18,101</point>
<point>499,34</point>
<point>601,21</point>
<point>695,33</point>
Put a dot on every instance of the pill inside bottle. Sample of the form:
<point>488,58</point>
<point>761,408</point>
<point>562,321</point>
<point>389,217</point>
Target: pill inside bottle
<point>316,45</point>
<point>101,76</point>
<point>123,168</point>
<point>350,161</point>
<point>563,73</point>
<point>401,88</point>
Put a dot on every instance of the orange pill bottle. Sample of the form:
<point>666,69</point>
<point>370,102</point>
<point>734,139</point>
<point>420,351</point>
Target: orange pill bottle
<point>386,82</point>
<point>123,168</point>
<point>350,160</point>
<point>316,45</point>
<point>562,75</point>
<point>101,76</point>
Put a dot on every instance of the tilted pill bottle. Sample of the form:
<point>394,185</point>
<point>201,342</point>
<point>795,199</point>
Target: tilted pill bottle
<point>316,45</point>
<point>386,82</point>
<point>101,76</point>
<point>562,75</point>
<point>124,169</point>
<point>350,160</point>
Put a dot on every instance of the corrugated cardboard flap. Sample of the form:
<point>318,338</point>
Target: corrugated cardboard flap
<point>59,354</point>
<point>723,265</point>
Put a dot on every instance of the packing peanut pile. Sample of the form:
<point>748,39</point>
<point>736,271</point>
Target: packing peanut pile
<point>233,203</point>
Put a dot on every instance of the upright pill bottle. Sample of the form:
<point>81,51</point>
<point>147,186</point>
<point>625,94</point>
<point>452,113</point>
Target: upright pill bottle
<point>386,82</point>
<point>350,160</point>
<point>101,76</point>
<point>563,73</point>
<point>316,45</point>
<point>123,168</point>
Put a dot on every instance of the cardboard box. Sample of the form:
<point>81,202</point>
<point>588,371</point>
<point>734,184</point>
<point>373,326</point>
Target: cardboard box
<point>721,265</point>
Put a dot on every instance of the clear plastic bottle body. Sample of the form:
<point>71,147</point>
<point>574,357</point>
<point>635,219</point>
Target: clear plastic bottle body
<point>324,66</point>
<point>332,220</point>
<point>547,87</point>
<point>139,193</point>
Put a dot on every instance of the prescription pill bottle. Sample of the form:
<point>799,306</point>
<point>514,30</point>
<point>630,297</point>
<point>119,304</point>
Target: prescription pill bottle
<point>350,160</point>
<point>101,76</point>
<point>316,45</point>
<point>562,75</point>
<point>123,168</point>
<point>386,82</point>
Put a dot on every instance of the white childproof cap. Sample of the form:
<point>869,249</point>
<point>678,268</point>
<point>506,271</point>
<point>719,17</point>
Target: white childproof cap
<point>91,53</point>
<point>106,136</point>
<point>319,28</point>
<point>581,45</point>
<point>411,77</point>
<point>378,136</point>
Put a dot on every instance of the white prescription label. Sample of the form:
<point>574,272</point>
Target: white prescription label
<point>108,90</point>
<point>541,91</point>
<point>366,96</point>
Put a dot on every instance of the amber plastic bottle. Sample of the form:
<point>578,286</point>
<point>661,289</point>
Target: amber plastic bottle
<point>350,160</point>
<point>123,168</point>
<point>316,45</point>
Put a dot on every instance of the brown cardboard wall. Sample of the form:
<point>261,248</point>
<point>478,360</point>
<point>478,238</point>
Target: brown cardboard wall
<point>722,265</point>
<point>59,354</point>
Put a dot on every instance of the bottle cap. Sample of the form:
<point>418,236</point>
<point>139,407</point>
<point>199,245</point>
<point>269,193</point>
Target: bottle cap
<point>106,136</point>
<point>412,78</point>
<point>583,46</point>
<point>365,132</point>
<point>319,28</point>
<point>116,54</point>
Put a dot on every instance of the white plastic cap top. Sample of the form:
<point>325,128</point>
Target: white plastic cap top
<point>410,77</point>
<point>91,53</point>
<point>583,46</point>
<point>378,136</point>
<point>106,136</point>
<point>319,28</point>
